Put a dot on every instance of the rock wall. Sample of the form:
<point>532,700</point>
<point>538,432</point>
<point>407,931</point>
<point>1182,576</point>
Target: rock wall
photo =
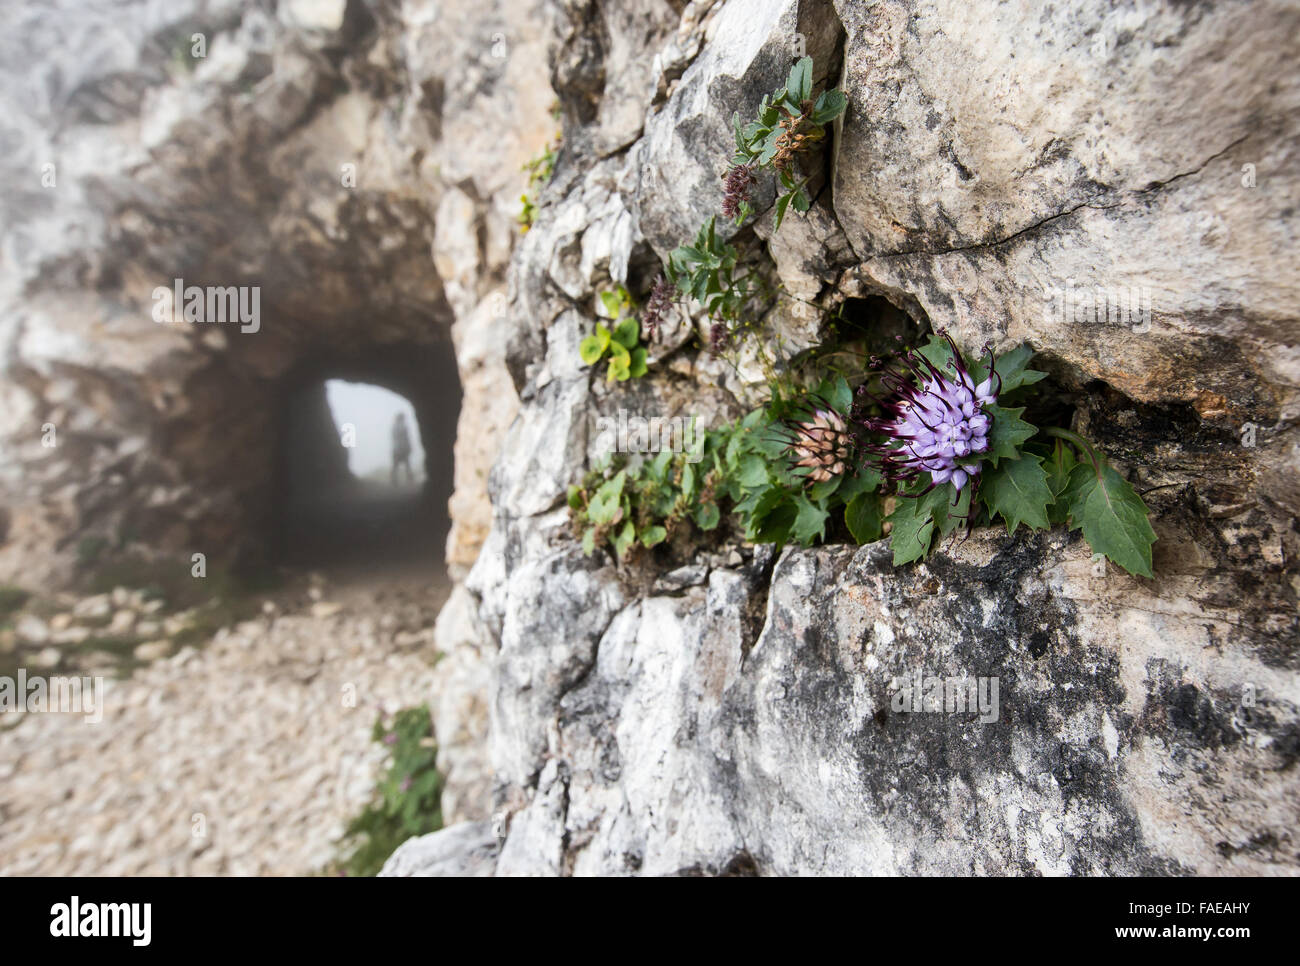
<point>714,708</point>
<point>729,712</point>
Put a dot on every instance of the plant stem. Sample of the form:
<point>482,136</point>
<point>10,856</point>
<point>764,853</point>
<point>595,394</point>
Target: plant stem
<point>1080,444</point>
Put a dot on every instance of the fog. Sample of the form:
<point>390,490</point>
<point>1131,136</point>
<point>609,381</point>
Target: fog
<point>370,411</point>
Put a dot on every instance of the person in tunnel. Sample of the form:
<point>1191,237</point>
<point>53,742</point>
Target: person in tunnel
<point>401,448</point>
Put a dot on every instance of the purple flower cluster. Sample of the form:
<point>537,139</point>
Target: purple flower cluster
<point>661,297</point>
<point>934,419</point>
<point>737,184</point>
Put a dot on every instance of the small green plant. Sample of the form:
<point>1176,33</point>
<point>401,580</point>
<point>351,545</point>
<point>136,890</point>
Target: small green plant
<point>706,271</point>
<point>789,122</point>
<point>789,469</point>
<point>619,342</point>
<point>408,799</point>
<point>645,503</point>
<point>539,171</point>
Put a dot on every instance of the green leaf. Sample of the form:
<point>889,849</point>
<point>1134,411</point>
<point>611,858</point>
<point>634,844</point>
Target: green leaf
<point>947,514</point>
<point>829,106</point>
<point>862,517</point>
<point>588,541</point>
<point>653,535</point>
<point>590,350</point>
<point>782,203</point>
<point>604,506</point>
<point>1112,516</point>
<point>939,352</point>
<point>707,516</point>
<point>623,539</point>
<point>914,520</point>
<point>772,517</point>
<point>1058,468</point>
<point>835,390</point>
<point>809,522</point>
<point>1018,490</point>
<point>688,480</point>
<point>867,480</point>
<point>1011,367</point>
<point>627,332</point>
<point>753,471</point>
<point>799,83</point>
<point>657,468</point>
<point>1007,434</point>
<point>913,529</point>
<point>612,303</point>
<point>800,202</point>
<point>575,497</point>
<point>619,369</point>
<point>638,366</point>
<point>821,490</point>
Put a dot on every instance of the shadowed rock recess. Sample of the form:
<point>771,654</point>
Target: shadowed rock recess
<point>712,708</point>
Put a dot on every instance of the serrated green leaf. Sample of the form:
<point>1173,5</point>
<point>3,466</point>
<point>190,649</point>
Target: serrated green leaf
<point>912,529</point>
<point>862,517</point>
<point>782,203</point>
<point>1018,490</point>
<point>1007,434</point>
<point>800,201</point>
<point>1112,516</point>
<point>824,488</point>
<point>916,518</point>
<point>949,513</point>
<point>809,522</point>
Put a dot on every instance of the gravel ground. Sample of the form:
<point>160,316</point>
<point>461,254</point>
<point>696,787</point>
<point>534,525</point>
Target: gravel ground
<point>245,756</point>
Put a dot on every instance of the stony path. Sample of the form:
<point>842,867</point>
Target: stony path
<point>244,756</point>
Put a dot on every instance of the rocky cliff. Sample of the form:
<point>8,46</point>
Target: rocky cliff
<point>709,707</point>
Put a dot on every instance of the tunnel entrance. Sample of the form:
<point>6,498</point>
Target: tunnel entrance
<point>364,462</point>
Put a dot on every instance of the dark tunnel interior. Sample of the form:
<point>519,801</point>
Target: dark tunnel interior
<point>326,514</point>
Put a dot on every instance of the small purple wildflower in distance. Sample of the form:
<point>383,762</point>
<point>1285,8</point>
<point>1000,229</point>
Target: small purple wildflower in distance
<point>661,296</point>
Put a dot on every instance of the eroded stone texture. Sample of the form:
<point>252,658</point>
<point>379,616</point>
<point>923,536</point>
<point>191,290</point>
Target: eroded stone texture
<point>723,714</point>
<point>716,709</point>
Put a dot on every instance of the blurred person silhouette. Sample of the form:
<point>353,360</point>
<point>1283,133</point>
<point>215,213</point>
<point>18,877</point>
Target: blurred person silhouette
<point>401,448</point>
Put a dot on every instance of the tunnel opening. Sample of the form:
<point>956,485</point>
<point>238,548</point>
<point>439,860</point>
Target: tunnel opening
<point>363,459</point>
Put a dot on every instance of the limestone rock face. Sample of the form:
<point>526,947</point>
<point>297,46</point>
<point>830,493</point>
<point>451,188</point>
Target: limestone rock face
<point>1001,177</point>
<point>1118,189</point>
